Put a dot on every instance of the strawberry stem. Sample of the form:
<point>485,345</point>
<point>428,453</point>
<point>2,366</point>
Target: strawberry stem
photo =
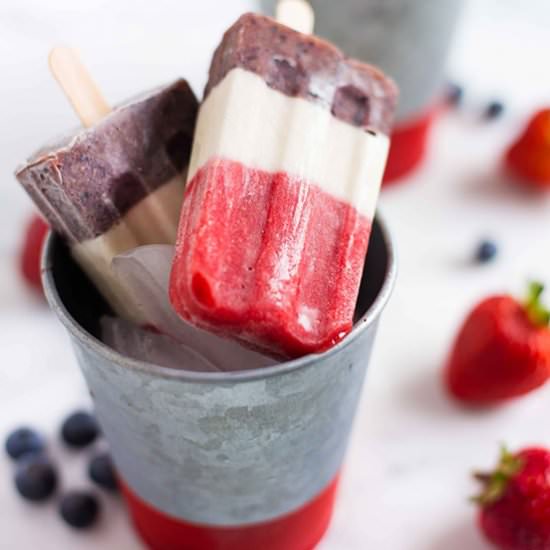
<point>495,483</point>
<point>537,312</point>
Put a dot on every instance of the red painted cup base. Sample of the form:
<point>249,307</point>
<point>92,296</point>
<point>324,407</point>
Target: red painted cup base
<point>408,145</point>
<point>299,530</point>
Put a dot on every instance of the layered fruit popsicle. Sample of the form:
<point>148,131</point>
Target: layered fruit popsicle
<point>117,185</point>
<point>288,156</point>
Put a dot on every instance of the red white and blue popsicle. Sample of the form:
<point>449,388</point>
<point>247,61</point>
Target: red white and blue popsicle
<point>288,155</point>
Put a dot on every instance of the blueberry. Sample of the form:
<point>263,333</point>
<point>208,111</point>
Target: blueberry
<point>24,441</point>
<point>486,251</point>
<point>102,472</point>
<point>454,94</point>
<point>79,429</point>
<point>79,509</point>
<point>35,478</point>
<point>494,109</point>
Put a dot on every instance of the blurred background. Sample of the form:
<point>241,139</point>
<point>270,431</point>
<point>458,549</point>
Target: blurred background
<point>409,440</point>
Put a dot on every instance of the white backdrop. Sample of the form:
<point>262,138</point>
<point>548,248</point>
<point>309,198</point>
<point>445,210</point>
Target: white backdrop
<point>406,482</point>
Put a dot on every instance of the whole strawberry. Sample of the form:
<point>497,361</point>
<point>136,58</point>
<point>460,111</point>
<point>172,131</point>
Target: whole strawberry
<point>529,156</point>
<point>501,351</point>
<point>515,501</point>
<point>31,250</point>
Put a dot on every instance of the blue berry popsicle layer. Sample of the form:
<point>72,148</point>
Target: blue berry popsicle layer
<point>117,185</point>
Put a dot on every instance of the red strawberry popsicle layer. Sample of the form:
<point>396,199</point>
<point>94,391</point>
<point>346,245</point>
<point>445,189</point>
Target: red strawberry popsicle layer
<point>292,253</point>
<point>288,155</point>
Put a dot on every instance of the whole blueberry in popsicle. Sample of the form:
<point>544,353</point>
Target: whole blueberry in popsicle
<point>35,478</point>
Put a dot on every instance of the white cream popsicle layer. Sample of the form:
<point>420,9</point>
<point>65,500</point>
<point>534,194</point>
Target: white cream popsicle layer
<point>153,220</point>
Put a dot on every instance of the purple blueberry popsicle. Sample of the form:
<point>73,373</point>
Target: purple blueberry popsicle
<point>118,184</point>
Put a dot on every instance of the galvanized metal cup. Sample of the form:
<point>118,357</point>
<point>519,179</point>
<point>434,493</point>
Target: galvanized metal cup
<point>232,461</point>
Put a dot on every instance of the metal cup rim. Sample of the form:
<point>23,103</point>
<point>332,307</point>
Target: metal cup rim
<point>95,345</point>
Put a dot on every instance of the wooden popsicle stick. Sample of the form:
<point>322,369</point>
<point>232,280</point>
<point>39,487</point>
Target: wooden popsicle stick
<point>297,14</point>
<point>77,84</point>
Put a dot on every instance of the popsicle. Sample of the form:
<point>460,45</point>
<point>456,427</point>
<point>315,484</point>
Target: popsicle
<point>118,183</point>
<point>288,155</point>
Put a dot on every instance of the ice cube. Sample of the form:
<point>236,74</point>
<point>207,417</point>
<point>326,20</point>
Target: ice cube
<point>146,272</point>
<point>145,345</point>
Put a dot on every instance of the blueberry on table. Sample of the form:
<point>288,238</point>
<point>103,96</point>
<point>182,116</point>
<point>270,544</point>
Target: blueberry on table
<point>24,441</point>
<point>487,251</point>
<point>455,94</point>
<point>80,429</point>
<point>35,478</point>
<point>494,109</point>
<point>79,509</point>
<point>102,472</point>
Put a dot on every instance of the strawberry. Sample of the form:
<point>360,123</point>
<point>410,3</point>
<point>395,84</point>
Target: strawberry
<point>515,501</point>
<point>529,156</point>
<point>501,351</point>
<point>35,235</point>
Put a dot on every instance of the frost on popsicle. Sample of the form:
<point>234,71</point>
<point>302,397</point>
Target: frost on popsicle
<point>145,271</point>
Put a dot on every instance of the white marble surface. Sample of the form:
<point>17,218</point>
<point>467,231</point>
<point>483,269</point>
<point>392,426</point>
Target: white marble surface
<point>406,484</point>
